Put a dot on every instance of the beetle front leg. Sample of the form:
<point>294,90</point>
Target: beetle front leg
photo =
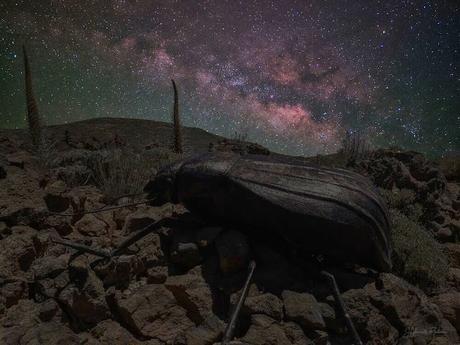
<point>138,235</point>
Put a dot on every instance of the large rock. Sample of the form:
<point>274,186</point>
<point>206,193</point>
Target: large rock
<point>50,287</point>
<point>49,266</point>
<point>139,220</point>
<point>152,311</point>
<point>94,226</point>
<point>17,251</point>
<point>111,333</point>
<point>390,307</point>
<point>54,199</point>
<point>405,170</point>
<point>303,309</point>
<point>208,332</point>
<point>449,303</point>
<point>454,278</point>
<point>267,304</point>
<point>13,291</point>
<point>85,300</point>
<point>145,216</point>
<point>149,250</point>
<point>21,325</point>
<point>20,192</point>
<point>371,325</point>
<point>453,251</point>
<point>60,224</point>
<point>120,270</point>
<point>266,331</point>
<point>192,293</point>
<point>330,318</point>
<point>157,274</point>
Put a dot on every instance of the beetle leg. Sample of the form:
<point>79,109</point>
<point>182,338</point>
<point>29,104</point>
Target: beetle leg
<point>338,299</point>
<point>138,235</point>
<point>82,247</point>
<point>230,330</point>
<point>123,245</point>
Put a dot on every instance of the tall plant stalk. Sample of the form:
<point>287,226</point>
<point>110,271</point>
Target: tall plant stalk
<point>33,116</point>
<point>176,121</point>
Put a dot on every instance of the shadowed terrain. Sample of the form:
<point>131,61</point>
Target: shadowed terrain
<point>179,284</point>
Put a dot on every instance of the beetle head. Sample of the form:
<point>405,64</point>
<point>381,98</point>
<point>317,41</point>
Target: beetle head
<point>162,188</point>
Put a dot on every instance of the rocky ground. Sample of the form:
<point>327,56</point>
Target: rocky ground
<point>178,286</point>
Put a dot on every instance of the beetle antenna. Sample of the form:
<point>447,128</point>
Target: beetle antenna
<point>98,210</point>
<point>338,299</point>
<point>123,245</point>
<point>230,330</point>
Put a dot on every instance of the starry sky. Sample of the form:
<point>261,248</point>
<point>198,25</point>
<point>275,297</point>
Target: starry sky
<point>292,75</point>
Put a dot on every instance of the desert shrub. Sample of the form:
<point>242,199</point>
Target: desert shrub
<point>355,146</point>
<point>417,256</point>
<point>398,198</point>
<point>405,201</point>
<point>124,172</point>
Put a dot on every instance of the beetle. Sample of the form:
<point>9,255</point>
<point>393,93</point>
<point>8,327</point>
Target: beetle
<point>320,210</point>
<point>332,212</point>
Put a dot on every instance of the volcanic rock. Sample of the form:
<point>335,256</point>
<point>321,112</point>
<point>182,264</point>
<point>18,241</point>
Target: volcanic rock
<point>92,225</point>
<point>12,292</point>
<point>266,304</point>
<point>266,331</point>
<point>21,325</point>
<point>192,293</point>
<point>453,251</point>
<point>17,251</point>
<point>303,309</point>
<point>449,303</point>
<point>208,332</point>
<point>110,332</point>
<point>85,300</point>
<point>151,311</point>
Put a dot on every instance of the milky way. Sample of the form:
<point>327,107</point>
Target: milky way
<point>291,75</point>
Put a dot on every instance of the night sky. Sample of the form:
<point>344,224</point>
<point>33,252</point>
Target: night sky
<point>292,75</point>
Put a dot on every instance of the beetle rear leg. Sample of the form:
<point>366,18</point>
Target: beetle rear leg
<point>230,330</point>
<point>339,301</point>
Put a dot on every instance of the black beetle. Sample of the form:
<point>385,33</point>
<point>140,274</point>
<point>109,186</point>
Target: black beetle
<point>333,212</point>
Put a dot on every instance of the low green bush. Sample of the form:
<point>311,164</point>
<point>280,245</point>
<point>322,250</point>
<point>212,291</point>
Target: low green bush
<point>417,256</point>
